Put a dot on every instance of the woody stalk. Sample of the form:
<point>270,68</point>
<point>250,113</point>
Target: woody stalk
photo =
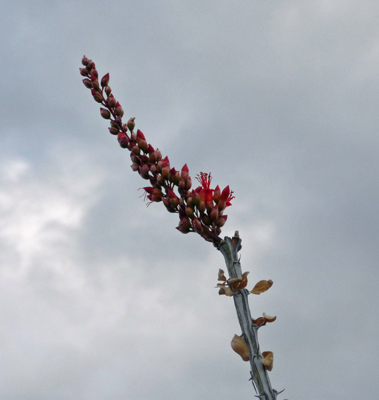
<point>201,210</point>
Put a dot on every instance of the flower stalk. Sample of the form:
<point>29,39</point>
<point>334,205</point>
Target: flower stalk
<point>201,210</point>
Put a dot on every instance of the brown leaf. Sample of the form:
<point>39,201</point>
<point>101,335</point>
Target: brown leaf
<point>221,276</point>
<point>244,280</point>
<point>225,290</point>
<point>259,321</point>
<point>268,360</point>
<point>262,286</point>
<point>268,318</point>
<point>240,347</point>
<point>235,283</point>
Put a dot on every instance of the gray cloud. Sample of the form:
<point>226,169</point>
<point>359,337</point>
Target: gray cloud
<point>100,296</point>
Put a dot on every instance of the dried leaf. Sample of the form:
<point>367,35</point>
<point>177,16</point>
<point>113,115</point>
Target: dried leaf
<point>259,321</point>
<point>268,318</point>
<point>235,283</point>
<point>240,347</point>
<point>221,276</point>
<point>244,280</point>
<point>262,286</point>
<point>225,290</point>
<point>268,360</point>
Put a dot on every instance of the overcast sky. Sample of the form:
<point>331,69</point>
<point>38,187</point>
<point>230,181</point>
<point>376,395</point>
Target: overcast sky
<point>101,297</point>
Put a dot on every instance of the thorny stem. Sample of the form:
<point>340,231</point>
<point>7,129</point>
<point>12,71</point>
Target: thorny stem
<point>229,248</point>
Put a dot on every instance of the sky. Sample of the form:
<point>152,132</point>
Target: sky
<point>101,297</point>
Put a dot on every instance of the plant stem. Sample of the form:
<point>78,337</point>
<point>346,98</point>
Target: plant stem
<point>229,248</point>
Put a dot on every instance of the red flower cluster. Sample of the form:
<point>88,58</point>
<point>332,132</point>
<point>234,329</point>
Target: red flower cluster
<point>200,210</point>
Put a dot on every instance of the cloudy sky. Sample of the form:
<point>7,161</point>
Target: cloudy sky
<point>101,298</point>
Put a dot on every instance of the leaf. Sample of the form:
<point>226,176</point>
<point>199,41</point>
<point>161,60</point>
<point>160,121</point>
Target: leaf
<point>268,360</point>
<point>259,321</point>
<point>225,289</point>
<point>235,283</point>
<point>240,347</point>
<point>244,280</point>
<point>268,318</point>
<point>221,276</point>
<point>262,286</point>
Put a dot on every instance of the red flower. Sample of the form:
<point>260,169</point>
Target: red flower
<point>205,180</point>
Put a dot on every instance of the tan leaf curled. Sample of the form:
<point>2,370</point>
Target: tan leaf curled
<point>244,280</point>
<point>268,318</point>
<point>240,347</point>
<point>262,286</point>
<point>268,360</point>
<point>221,276</point>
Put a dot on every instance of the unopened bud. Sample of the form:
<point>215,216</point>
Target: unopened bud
<point>123,140</point>
<point>97,96</point>
<point>136,150</point>
<point>189,212</point>
<point>144,171</point>
<point>105,113</point>
<point>111,101</point>
<point>140,135</point>
<point>214,214</point>
<point>85,60</point>
<point>216,194</point>
<point>108,90</point>
<point>131,124</point>
<point>206,220</point>
<point>153,169</point>
<point>184,172</point>
<point>113,131</point>
<point>188,183</point>
<point>196,224</point>
<point>83,71</point>
<point>87,83</point>
<point>105,80</point>
<point>134,167</point>
<point>142,144</point>
<point>119,111</point>
<point>174,201</point>
<point>221,221</point>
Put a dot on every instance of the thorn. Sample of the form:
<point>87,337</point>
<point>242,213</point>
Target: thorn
<point>252,381</point>
<point>276,392</point>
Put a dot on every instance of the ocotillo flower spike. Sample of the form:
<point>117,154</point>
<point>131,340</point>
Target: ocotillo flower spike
<point>200,210</point>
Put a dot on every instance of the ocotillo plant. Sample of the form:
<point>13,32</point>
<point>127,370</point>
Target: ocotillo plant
<point>201,211</point>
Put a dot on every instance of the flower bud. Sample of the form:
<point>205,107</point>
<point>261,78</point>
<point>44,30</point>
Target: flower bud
<point>189,212</point>
<point>216,194</point>
<point>206,220</point>
<point>182,184</point>
<point>85,60</point>
<point>135,159</point>
<point>105,113</point>
<point>190,202</point>
<point>83,71</point>
<point>153,169</point>
<point>142,145</point>
<point>105,80</point>
<point>119,111</point>
<point>113,131</point>
<point>172,175</point>
<point>108,90</point>
<point>97,96</point>
<point>136,150</point>
<point>221,221</point>
<point>159,154</point>
<point>111,101</point>
<point>196,225</point>
<point>174,201</point>
<point>131,124</point>
<point>123,140</point>
<point>94,71</point>
<point>225,194</point>
<point>140,135</point>
<point>184,172</point>
<point>214,214</point>
<point>87,83</point>
<point>114,124</point>
<point>188,183</point>
<point>134,167</point>
<point>144,171</point>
